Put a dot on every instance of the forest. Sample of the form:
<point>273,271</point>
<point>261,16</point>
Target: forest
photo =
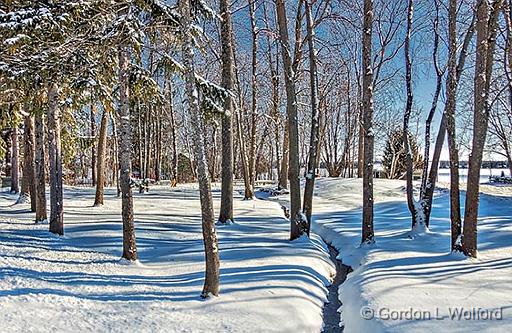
<point>194,133</point>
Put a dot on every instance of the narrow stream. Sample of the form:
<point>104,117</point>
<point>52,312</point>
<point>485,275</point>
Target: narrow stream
<point>331,315</point>
<point>330,312</point>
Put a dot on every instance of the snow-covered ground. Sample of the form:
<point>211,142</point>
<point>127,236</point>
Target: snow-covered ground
<point>416,285</point>
<point>75,283</point>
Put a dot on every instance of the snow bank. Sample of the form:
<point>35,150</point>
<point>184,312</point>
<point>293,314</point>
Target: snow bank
<point>416,285</point>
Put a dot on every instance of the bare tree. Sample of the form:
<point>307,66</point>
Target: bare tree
<point>211,283</point>
<point>228,83</point>
<point>486,30</point>
<point>125,161</point>
<point>15,158</point>
<point>293,131</point>
<point>28,184</point>
<point>40,174</point>
<point>314,139</point>
<point>416,222</point>
<point>254,98</point>
<point>101,160</point>
<point>368,142</point>
<point>93,148</point>
<point>55,156</point>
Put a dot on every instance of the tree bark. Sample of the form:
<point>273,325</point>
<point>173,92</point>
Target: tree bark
<point>55,157</point>
<point>93,147</point>
<point>283,174</point>
<point>101,160</point>
<point>40,173</point>
<point>15,161</point>
<point>451,88</point>
<point>368,141</point>
<point>125,161</point>
<point>28,184</point>
<point>115,166</point>
<point>228,83</point>
<point>416,222</point>
<point>314,139</point>
<point>211,283</point>
<point>174,130</point>
<point>254,96</point>
<point>424,203</point>
<point>486,30</point>
<point>296,219</point>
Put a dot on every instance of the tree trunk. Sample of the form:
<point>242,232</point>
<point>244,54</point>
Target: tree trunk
<point>228,83</point>
<point>314,139</point>
<point>425,203</point>
<point>283,174</point>
<point>451,88</point>
<point>125,161</point>
<point>101,160</point>
<point>486,30</point>
<point>147,141</point>
<point>417,223</point>
<point>55,157</point>
<point>360,143</point>
<point>254,95</point>
<point>174,130</point>
<point>15,161</point>
<point>211,283</point>
<point>248,195</point>
<point>296,219</point>
<point>93,147</point>
<point>115,166</point>
<point>28,188</point>
<point>368,141</point>
<point>432,177</point>
<point>40,174</point>
<point>140,145</point>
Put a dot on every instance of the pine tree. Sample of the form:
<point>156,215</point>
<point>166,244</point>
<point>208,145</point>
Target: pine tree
<point>394,156</point>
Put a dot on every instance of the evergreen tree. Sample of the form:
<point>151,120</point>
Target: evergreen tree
<point>394,158</point>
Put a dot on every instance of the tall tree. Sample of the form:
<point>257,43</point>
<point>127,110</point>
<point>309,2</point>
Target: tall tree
<point>55,156</point>
<point>211,283</point>
<point>486,30</point>
<point>40,173</point>
<point>449,108</point>
<point>368,142</point>
<point>125,161</point>
<point>93,147</point>
<point>417,223</point>
<point>174,132</point>
<point>296,219</point>
<point>15,158</point>
<point>28,184</point>
<point>101,160</point>
<point>314,136</point>
<point>228,83</point>
<point>254,97</point>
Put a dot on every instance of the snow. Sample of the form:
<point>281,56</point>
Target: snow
<point>403,282</point>
<point>77,283</point>
<point>416,285</point>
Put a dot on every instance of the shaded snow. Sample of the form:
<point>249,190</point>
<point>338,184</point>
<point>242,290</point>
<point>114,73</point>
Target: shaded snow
<point>398,273</point>
<point>76,283</point>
